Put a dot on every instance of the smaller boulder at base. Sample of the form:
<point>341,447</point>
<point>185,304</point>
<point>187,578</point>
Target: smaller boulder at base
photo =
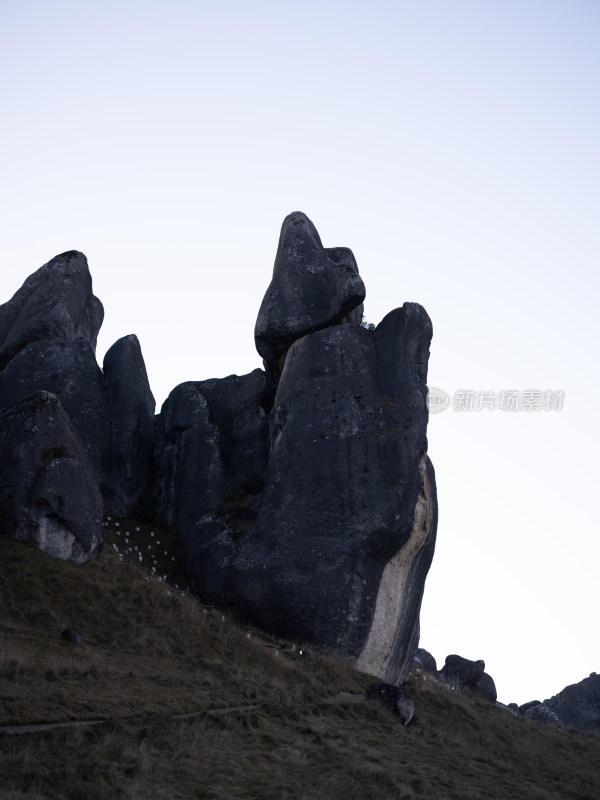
<point>461,673</point>
<point>395,698</point>
<point>48,491</point>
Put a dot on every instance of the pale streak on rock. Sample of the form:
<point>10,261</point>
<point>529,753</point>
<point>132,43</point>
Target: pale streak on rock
<point>377,653</point>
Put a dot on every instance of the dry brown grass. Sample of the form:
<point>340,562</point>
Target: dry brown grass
<point>149,655</point>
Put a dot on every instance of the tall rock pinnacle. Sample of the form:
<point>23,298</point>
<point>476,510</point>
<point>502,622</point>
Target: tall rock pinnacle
<point>305,497</point>
<point>313,287</point>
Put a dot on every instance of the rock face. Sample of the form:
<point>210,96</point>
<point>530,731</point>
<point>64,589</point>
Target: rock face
<point>211,458</point>
<point>312,288</point>
<point>129,409</point>
<point>56,302</point>
<point>69,370</point>
<point>461,673</point>
<point>424,661</point>
<point>577,706</point>
<point>48,491</point>
<point>48,334</point>
<point>305,497</point>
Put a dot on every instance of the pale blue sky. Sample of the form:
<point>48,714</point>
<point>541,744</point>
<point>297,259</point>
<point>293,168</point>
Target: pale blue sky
<point>451,145</point>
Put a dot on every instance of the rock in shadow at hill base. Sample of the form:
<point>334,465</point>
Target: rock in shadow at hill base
<point>305,497</point>
<point>48,491</point>
<point>461,673</point>
<point>395,698</point>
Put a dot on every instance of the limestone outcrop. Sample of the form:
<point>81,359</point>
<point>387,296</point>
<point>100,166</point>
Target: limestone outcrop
<point>67,369</point>
<point>211,459</point>
<point>48,333</point>
<point>457,673</point>
<point>48,492</point>
<point>129,410</point>
<point>304,496</point>
<point>313,287</point>
<point>577,706</point>
<point>56,302</point>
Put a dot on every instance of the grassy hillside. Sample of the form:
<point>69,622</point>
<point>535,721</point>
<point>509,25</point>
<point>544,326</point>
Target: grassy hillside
<point>267,719</point>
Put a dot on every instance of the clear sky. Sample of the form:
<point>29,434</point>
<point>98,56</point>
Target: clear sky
<point>453,145</point>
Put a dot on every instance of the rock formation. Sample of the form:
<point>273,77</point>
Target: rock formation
<point>67,369</point>
<point>129,410</point>
<point>312,288</point>
<point>48,492</point>
<point>48,333</point>
<point>56,302</point>
<point>304,496</point>
<point>457,673</point>
<point>577,706</point>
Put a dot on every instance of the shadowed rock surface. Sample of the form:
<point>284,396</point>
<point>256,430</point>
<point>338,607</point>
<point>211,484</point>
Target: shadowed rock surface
<point>577,706</point>
<point>67,369</point>
<point>307,502</point>
<point>393,697</point>
<point>211,456</point>
<point>130,409</point>
<point>461,673</point>
<point>48,334</point>
<point>313,287</point>
<point>423,660</point>
<point>56,302</point>
<point>48,491</point>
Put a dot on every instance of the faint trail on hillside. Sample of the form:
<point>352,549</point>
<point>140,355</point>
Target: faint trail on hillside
<point>205,712</point>
<point>47,726</point>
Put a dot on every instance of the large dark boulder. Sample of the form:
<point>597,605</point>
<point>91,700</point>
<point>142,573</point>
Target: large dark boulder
<point>130,409</point>
<point>48,491</point>
<point>486,687</point>
<point>461,673</point>
<point>313,287</point>
<point>56,302</point>
<point>67,369</point>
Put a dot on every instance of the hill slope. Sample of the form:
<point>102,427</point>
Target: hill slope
<point>274,720</point>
